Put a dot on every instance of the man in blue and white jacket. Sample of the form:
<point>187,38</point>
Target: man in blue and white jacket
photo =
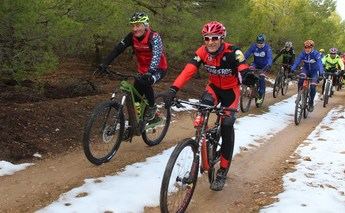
<point>312,68</point>
<point>262,60</point>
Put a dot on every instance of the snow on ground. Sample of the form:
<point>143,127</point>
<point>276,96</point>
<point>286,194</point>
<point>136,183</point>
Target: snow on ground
<point>7,168</point>
<point>138,185</point>
<point>318,184</point>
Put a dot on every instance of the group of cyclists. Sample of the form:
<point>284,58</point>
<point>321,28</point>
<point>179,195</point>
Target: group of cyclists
<point>227,69</point>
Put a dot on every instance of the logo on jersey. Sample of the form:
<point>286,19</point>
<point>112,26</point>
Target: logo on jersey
<point>259,54</point>
<point>214,71</point>
<point>310,61</point>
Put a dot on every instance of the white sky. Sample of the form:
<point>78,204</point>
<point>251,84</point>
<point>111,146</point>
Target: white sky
<point>341,8</point>
<point>118,194</point>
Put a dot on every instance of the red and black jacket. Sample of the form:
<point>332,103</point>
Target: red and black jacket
<point>148,50</point>
<point>223,68</point>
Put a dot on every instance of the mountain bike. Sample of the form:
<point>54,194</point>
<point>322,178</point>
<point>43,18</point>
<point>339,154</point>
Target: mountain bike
<point>181,172</point>
<point>340,81</point>
<point>250,92</point>
<point>282,81</point>
<point>117,120</point>
<point>327,92</point>
<point>302,100</point>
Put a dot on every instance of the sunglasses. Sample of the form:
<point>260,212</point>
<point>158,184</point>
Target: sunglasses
<point>213,38</point>
<point>308,47</point>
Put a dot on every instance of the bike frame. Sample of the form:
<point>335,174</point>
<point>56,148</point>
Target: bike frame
<point>135,119</point>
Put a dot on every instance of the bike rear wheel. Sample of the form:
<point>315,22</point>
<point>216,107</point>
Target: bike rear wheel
<point>180,177</point>
<point>298,108</point>
<point>103,132</point>
<point>246,97</point>
<point>156,129</point>
<point>326,93</point>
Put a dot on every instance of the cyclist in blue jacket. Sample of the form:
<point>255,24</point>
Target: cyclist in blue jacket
<point>262,60</point>
<point>312,68</point>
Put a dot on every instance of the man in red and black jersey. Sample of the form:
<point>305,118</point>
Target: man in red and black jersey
<point>224,62</point>
<point>149,51</point>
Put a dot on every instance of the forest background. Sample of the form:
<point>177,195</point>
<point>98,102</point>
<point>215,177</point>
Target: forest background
<point>38,35</point>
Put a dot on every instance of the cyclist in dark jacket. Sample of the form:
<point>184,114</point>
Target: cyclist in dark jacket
<point>151,59</point>
<point>223,62</point>
<point>288,54</point>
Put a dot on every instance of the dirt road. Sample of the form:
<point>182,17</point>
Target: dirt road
<point>255,175</point>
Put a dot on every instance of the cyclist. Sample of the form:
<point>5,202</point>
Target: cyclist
<point>312,66</point>
<point>151,59</point>
<point>322,53</point>
<point>223,61</point>
<point>332,63</point>
<point>288,53</point>
<point>262,60</point>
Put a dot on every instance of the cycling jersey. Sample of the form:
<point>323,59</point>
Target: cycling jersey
<point>332,64</point>
<point>288,56</point>
<point>312,62</point>
<point>223,68</point>
<point>148,50</point>
<point>262,56</point>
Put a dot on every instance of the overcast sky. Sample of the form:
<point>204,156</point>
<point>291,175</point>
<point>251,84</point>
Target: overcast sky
<point>341,8</point>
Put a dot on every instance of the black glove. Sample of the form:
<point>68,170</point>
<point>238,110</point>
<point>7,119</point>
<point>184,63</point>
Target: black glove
<point>169,95</point>
<point>321,77</point>
<point>146,79</point>
<point>103,69</point>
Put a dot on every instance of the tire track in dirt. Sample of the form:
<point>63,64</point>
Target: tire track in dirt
<point>42,183</point>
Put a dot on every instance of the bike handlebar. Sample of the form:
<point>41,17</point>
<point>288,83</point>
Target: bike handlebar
<point>203,107</point>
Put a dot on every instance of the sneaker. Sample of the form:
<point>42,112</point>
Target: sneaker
<point>260,100</point>
<point>151,112</point>
<point>219,182</point>
<point>311,108</point>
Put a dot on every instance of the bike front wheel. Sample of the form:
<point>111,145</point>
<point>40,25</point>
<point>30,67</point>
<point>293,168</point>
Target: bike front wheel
<point>180,177</point>
<point>326,93</point>
<point>298,109</point>
<point>277,85</point>
<point>156,129</point>
<point>246,97</point>
<point>305,99</point>
<point>103,132</point>
<point>285,85</point>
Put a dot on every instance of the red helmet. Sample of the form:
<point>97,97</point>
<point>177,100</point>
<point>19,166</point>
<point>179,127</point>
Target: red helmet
<point>215,28</point>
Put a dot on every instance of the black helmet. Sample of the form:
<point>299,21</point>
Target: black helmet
<point>139,17</point>
<point>261,38</point>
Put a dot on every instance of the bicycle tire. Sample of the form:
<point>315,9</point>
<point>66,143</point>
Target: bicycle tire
<point>186,183</point>
<point>213,151</point>
<point>154,129</point>
<point>326,94</point>
<point>245,98</point>
<point>298,109</point>
<point>105,140</point>
<point>305,103</point>
<point>285,85</point>
<point>277,85</point>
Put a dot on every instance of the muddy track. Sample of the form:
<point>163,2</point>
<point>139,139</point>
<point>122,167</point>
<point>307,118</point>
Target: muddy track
<point>247,190</point>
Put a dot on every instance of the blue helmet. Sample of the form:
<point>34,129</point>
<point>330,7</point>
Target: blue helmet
<point>261,38</point>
